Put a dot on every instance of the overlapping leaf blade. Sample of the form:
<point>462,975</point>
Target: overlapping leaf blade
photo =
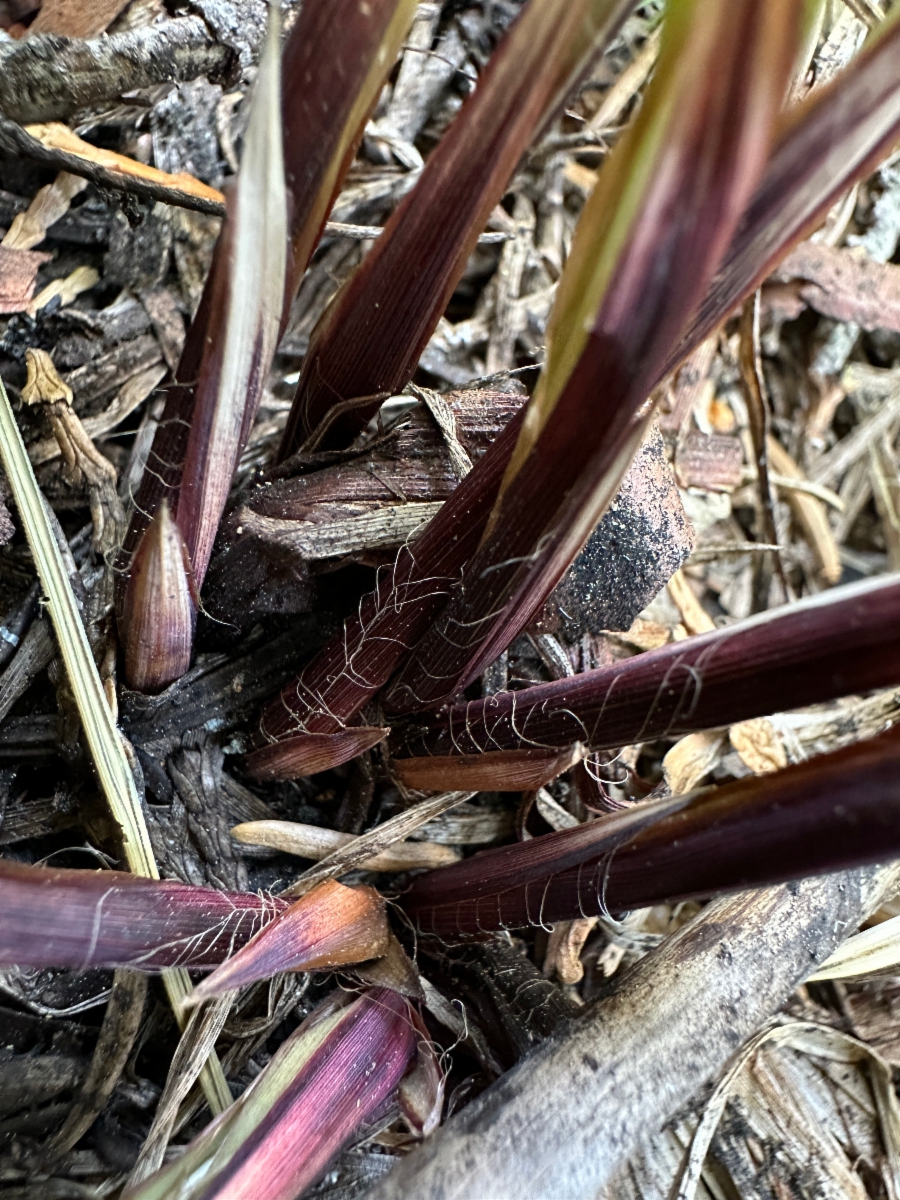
<point>331,1076</point>
<point>831,645</point>
<point>835,136</point>
<point>370,339</point>
<point>829,142</point>
<point>246,314</point>
<point>329,88</point>
<point>648,242</point>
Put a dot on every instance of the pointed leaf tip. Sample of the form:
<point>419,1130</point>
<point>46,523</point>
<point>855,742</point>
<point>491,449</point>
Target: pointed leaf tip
<point>331,926</point>
<point>247,297</point>
<point>160,607</point>
<point>309,753</point>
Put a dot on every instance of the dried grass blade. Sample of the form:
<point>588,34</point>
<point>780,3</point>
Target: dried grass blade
<point>103,737</point>
<point>376,841</point>
<point>808,1038</point>
<point>871,952</point>
<point>197,1042</point>
<point>118,1033</point>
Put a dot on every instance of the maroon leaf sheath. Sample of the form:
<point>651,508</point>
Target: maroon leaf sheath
<point>62,918</point>
<point>837,811</point>
<point>834,644</point>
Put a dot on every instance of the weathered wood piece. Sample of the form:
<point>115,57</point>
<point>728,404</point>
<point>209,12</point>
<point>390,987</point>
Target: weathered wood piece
<point>564,1120</point>
<point>47,78</point>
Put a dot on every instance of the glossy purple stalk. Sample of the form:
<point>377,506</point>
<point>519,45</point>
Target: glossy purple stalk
<point>836,136</point>
<point>839,642</point>
<point>370,339</point>
<point>706,133</point>
<point>836,811</point>
<point>63,918</point>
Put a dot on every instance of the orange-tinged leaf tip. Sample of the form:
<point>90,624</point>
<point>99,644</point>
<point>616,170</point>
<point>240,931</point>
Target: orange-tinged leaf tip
<point>159,607</point>
<point>308,753</point>
<point>331,926</point>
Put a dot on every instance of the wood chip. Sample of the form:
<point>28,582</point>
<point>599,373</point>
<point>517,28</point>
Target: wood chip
<point>691,759</point>
<point>18,271</point>
<point>49,204</point>
<point>55,136</point>
<point>75,18</point>
<point>759,745</point>
<point>846,285</point>
<point>713,462</point>
<point>563,958</point>
<point>82,279</point>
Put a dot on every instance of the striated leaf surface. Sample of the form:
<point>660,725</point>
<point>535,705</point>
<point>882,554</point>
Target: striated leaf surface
<point>371,337</point>
<point>63,918</point>
<point>830,645</point>
<point>836,811</point>
<point>650,237</point>
<point>325,1082</point>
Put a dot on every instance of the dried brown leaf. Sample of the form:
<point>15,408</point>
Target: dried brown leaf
<point>56,136</point>
<point>314,841</point>
<point>84,465</point>
<point>18,271</point>
<point>846,285</point>
<point>75,18</point>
